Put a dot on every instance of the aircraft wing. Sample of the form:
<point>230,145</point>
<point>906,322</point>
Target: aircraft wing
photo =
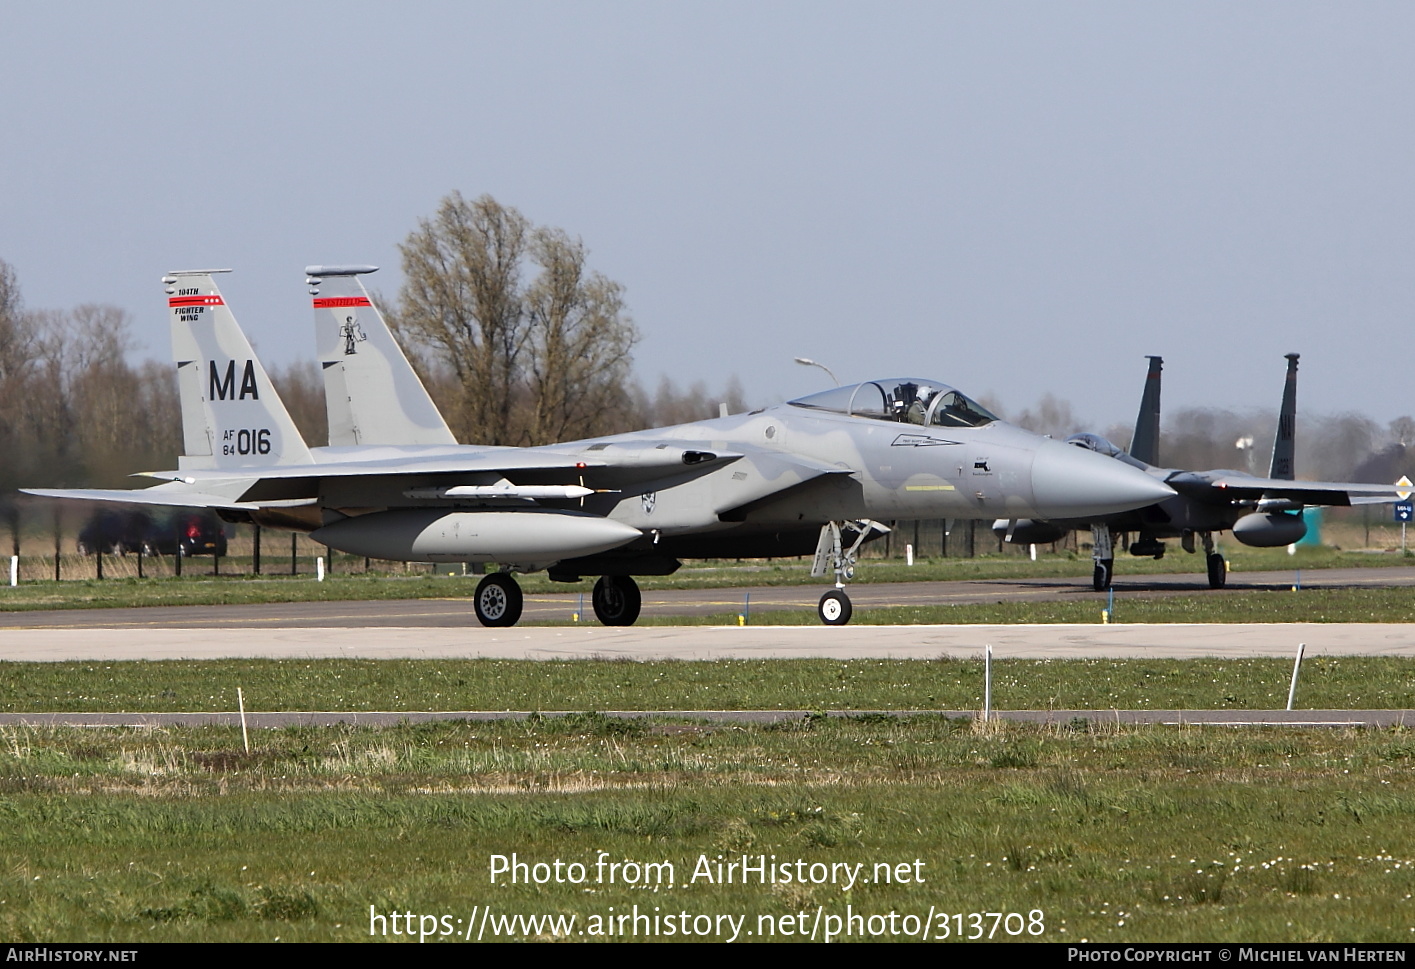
<point>174,495</point>
<point>609,464</point>
<point>1235,486</point>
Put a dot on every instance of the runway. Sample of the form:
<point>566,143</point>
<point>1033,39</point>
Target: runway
<point>1168,641</point>
<point>443,628</point>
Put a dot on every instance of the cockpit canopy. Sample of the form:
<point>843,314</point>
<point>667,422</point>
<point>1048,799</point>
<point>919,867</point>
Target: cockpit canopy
<point>908,400</point>
<point>1094,442</point>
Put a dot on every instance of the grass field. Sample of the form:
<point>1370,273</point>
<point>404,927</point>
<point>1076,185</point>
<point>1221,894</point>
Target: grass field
<point>1369,683</point>
<point>1083,830</point>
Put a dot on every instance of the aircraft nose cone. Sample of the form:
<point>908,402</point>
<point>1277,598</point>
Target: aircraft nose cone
<point>1071,482</point>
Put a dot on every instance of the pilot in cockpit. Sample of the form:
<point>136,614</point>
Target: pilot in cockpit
<point>909,406</point>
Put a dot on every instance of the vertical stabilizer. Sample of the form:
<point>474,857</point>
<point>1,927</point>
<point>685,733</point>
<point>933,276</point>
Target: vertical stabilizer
<point>231,415</point>
<point>1145,445</point>
<point>1284,464</point>
<point>370,390</point>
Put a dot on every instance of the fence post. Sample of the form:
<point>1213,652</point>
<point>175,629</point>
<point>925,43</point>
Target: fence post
<point>1292,690</point>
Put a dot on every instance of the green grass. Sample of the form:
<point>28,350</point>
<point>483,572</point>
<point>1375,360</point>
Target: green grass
<point>1111,834</point>
<point>484,684</point>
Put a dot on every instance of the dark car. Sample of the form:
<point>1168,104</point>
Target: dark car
<point>115,532</point>
<point>187,534</point>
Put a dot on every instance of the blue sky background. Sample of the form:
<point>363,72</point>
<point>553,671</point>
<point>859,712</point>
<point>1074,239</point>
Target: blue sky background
<point>1017,198</point>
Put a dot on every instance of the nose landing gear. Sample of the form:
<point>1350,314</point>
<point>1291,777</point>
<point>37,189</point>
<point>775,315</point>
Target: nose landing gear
<point>831,555</point>
<point>1103,556</point>
<point>1218,568</point>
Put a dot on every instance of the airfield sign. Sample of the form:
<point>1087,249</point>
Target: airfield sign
<point>1404,508</point>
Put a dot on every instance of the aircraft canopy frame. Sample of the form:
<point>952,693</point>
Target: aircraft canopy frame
<point>906,400</point>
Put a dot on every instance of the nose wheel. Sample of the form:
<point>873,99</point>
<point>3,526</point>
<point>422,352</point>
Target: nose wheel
<point>1218,570</point>
<point>616,600</point>
<point>497,600</point>
<point>835,608</point>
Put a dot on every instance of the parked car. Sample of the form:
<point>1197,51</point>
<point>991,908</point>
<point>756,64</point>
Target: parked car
<point>115,532</point>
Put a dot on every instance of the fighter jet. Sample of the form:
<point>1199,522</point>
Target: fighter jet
<point>1261,512</point>
<point>811,475</point>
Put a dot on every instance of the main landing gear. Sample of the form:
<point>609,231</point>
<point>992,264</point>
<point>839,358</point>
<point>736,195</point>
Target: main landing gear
<point>1104,557</point>
<point>498,600</point>
<point>831,555</point>
<point>616,600</point>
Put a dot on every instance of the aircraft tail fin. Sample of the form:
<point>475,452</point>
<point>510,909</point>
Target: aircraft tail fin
<point>1145,445</point>
<point>1285,442</point>
<point>371,391</point>
<point>231,415</point>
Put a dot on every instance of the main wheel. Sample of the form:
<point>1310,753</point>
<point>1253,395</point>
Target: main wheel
<point>835,608</point>
<point>1100,578</point>
<point>1218,570</point>
<point>616,600</point>
<point>497,600</point>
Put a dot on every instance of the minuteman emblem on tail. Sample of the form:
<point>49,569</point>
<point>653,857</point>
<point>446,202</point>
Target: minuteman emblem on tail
<point>371,392</point>
<point>231,414</point>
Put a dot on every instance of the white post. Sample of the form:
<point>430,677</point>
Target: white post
<point>14,570</point>
<point>1292,690</point>
<point>319,568</point>
<point>987,682</point>
<point>909,555</point>
<point>1032,550</point>
<point>241,703</point>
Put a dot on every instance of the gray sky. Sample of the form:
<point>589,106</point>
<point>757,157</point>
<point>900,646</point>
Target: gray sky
<point>1011,197</point>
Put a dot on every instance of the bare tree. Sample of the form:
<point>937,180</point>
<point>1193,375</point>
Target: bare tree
<point>1337,444</point>
<point>462,300</point>
<point>696,402</point>
<point>17,372</point>
<point>1051,416</point>
<point>524,363</point>
<point>1207,438</point>
<point>1402,430</point>
<point>579,345</point>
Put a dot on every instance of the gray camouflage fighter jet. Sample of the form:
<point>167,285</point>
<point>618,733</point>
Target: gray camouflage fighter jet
<point>812,475</point>
<point>1261,512</point>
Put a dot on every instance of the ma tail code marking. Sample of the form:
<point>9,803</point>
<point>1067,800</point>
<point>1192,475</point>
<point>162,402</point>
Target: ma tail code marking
<point>223,387</point>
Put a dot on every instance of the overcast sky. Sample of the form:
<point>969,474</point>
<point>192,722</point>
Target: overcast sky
<point>1014,198</point>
